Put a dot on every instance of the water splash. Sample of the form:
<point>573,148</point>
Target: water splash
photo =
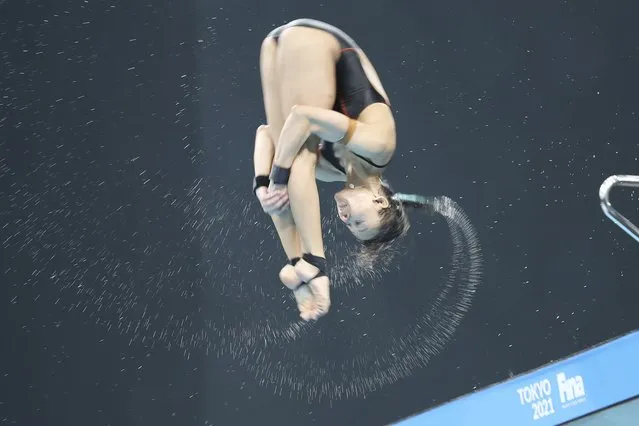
<point>199,285</point>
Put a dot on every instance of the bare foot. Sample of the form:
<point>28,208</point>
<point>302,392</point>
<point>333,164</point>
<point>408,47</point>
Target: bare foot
<point>303,294</point>
<point>320,288</point>
<point>289,277</point>
<point>305,302</point>
<point>321,293</point>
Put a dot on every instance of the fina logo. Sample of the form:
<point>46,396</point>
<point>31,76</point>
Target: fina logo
<point>571,390</point>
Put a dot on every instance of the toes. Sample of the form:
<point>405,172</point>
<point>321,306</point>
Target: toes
<point>307,304</point>
<point>307,316</point>
<point>313,300</point>
<point>314,314</point>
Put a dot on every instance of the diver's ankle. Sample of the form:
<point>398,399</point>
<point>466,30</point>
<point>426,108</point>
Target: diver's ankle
<point>289,277</point>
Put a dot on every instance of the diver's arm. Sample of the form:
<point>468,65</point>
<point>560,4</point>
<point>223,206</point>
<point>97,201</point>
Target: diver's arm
<point>263,152</point>
<point>272,202</point>
<point>361,138</point>
<point>283,220</point>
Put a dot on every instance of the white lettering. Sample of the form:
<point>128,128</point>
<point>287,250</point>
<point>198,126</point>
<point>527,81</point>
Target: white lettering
<point>543,408</point>
<point>534,392</point>
<point>570,388</point>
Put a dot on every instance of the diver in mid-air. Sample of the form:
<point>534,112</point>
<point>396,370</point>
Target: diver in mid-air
<point>328,118</point>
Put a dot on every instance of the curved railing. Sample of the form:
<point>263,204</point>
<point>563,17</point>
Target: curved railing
<point>586,388</point>
<point>604,195</point>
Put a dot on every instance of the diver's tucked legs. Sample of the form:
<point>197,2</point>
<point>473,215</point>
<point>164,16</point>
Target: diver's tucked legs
<point>284,224</point>
<point>299,187</point>
<point>306,67</point>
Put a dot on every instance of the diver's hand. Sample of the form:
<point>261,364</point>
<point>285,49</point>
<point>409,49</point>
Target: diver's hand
<point>273,201</point>
<point>280,191</point>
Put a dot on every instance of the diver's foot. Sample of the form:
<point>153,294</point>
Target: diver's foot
<point>289,277</point>
<point>303,294</point>
<point>305,302</point>
<point>320,287</point>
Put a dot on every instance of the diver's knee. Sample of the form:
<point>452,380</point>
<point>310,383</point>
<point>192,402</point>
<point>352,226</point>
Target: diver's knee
<point>264,130</point>
<point>290,36</point>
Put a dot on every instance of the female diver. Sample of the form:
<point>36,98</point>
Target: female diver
<point>328,119</point>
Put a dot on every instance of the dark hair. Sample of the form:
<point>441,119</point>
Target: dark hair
<point>393,219</point>
<point>378,252</point>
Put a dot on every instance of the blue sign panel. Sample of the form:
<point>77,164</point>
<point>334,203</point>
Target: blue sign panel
<point>559,392</point>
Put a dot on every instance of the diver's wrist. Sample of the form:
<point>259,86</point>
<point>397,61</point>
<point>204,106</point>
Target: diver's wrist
<point>280,175</point>
<point>259,182</point>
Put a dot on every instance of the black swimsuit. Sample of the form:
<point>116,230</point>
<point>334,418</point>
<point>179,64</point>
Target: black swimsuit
<point>354,92</point>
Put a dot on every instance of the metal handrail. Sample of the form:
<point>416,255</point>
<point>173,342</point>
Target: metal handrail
<point>604,195</point>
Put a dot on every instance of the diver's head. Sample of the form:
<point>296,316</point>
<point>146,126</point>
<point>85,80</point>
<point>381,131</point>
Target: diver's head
<point>371,213</point>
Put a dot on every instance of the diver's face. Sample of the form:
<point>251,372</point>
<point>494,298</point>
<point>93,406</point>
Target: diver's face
<point>359,209</point>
